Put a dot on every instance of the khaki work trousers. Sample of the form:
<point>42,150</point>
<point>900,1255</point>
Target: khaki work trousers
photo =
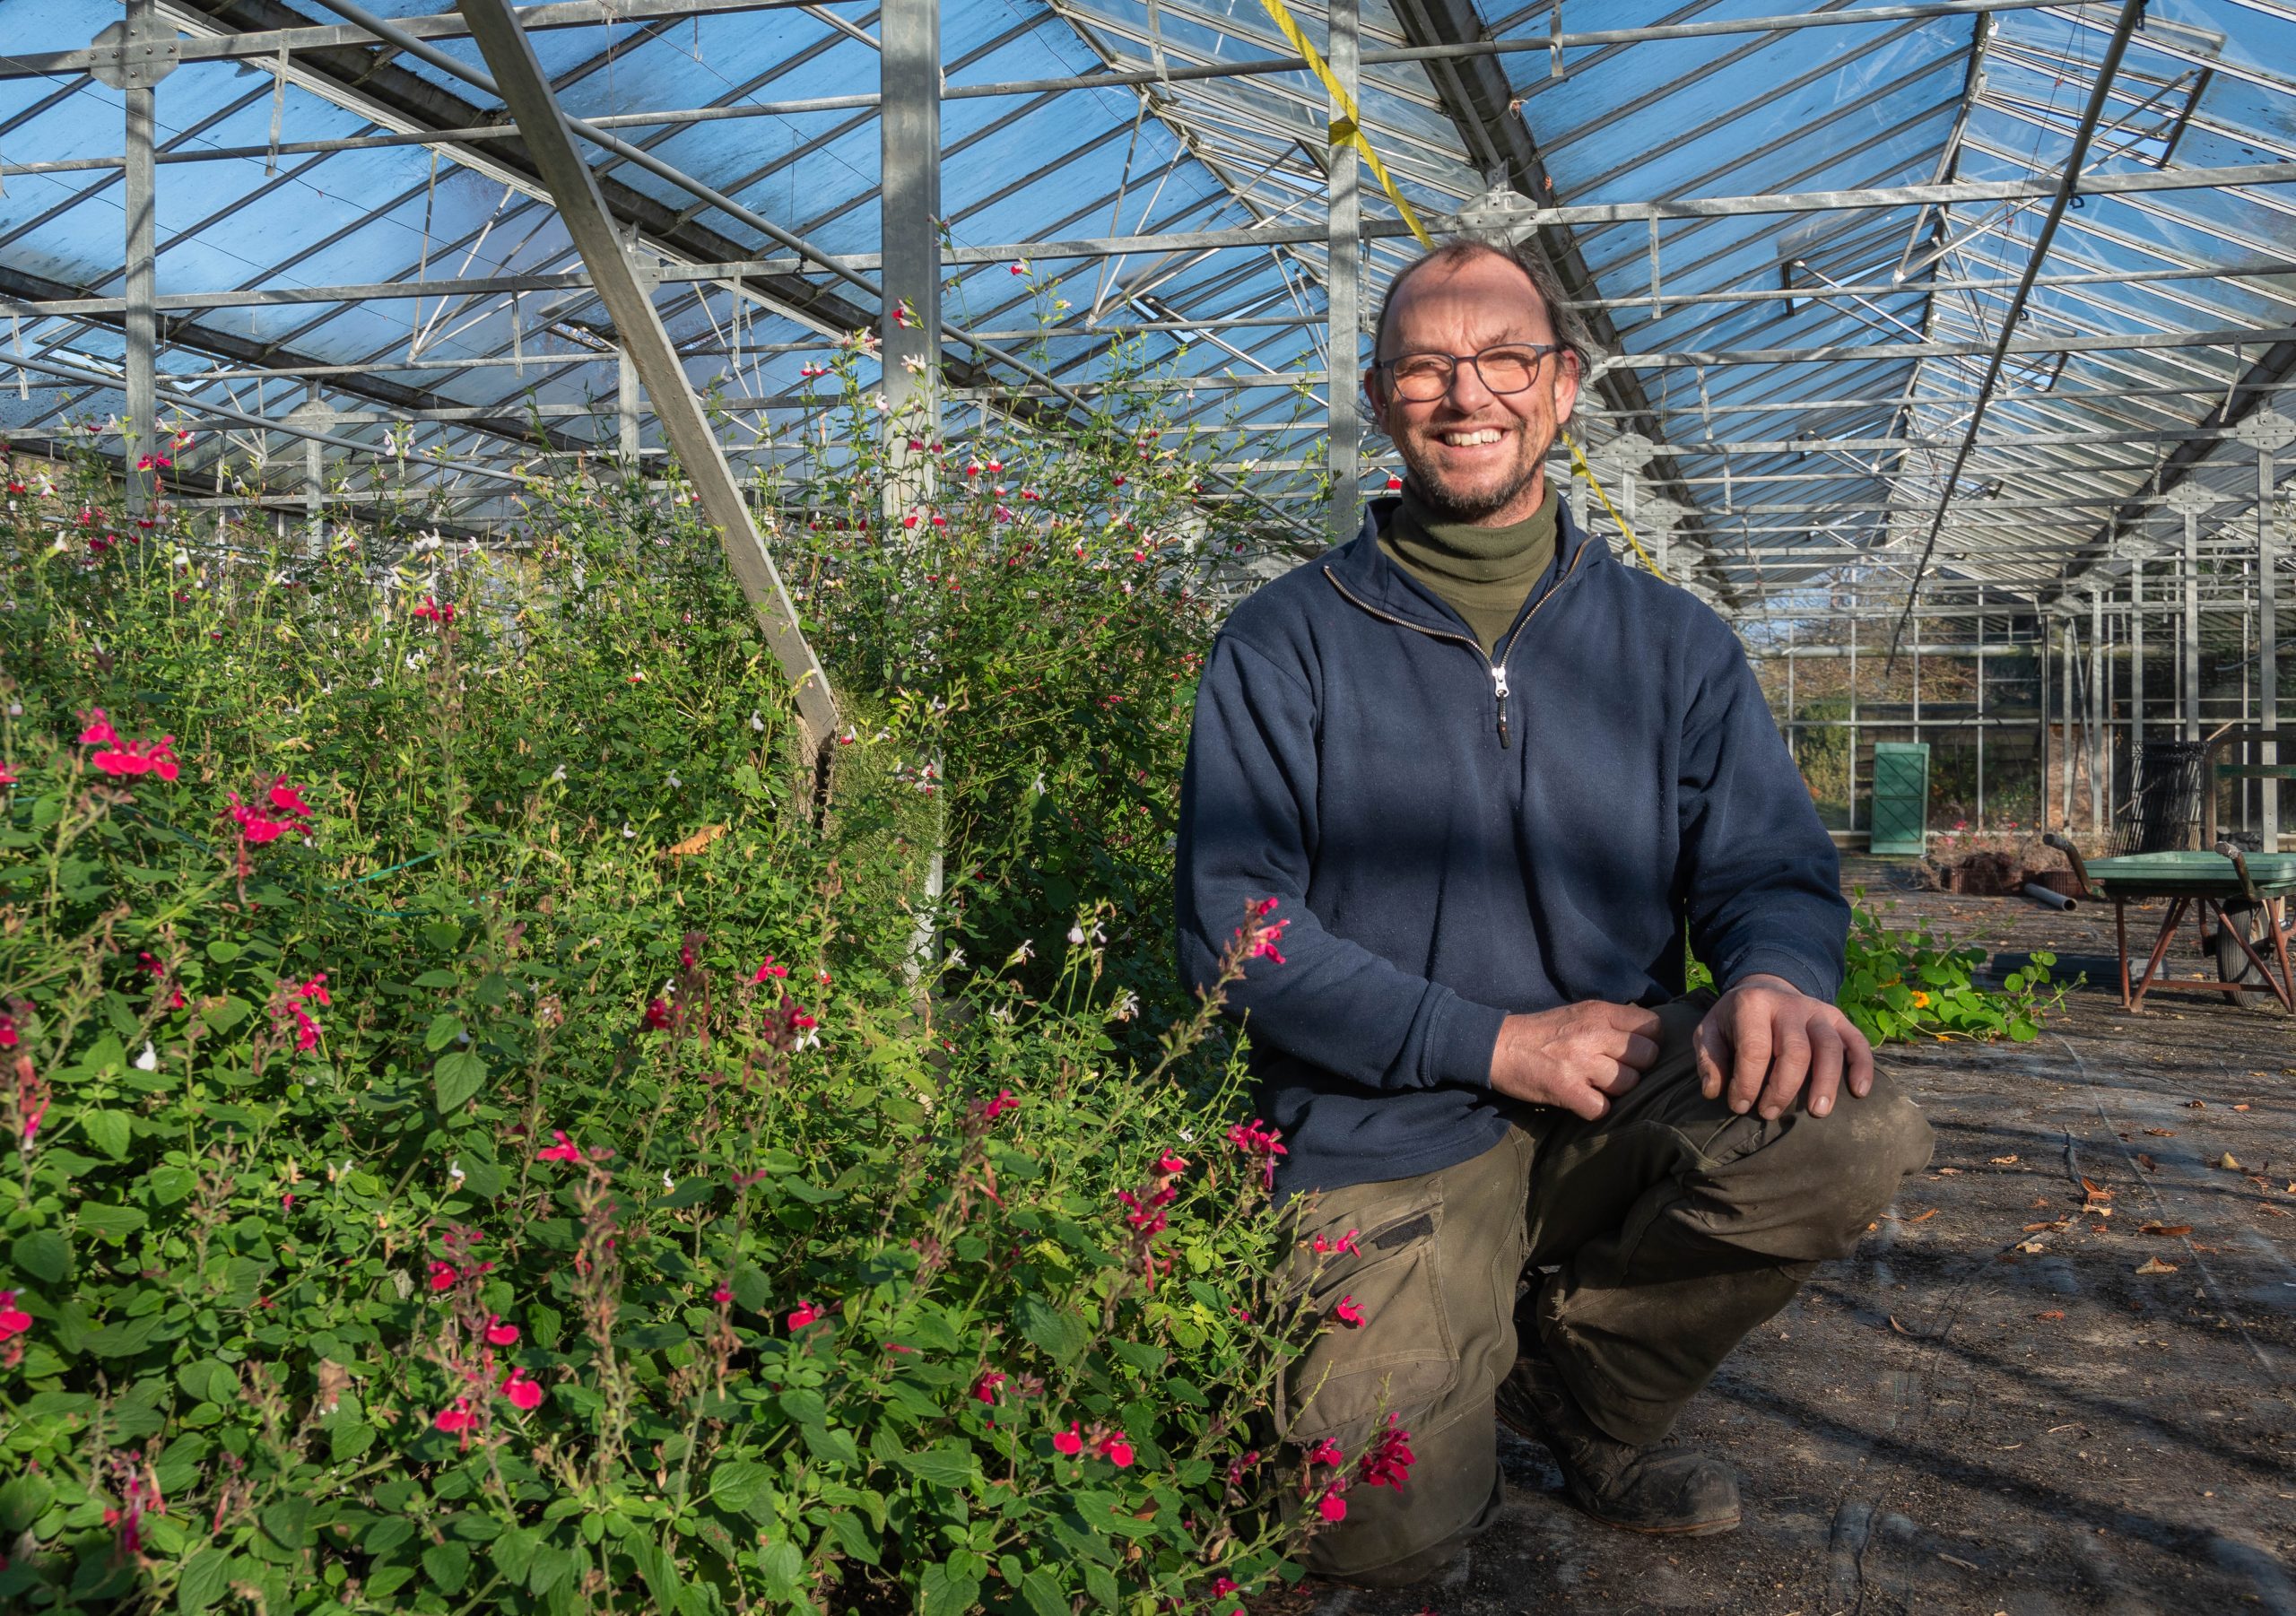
<point>1665,1231</point>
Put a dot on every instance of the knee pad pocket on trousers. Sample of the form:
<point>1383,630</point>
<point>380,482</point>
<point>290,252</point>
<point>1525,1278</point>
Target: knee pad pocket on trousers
<point>1403,1357</point>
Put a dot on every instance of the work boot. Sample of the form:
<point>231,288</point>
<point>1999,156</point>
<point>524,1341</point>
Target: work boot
<point>1658,1488</point>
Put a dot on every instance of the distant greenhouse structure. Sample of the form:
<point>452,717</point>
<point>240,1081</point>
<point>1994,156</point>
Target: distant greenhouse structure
<point>1946,343</point>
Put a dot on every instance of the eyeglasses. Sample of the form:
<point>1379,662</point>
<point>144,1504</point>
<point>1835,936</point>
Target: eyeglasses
<point>1423,377</point>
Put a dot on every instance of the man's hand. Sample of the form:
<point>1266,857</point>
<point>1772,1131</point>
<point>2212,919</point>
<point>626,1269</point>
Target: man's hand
<point>1576,1057</point>
<point>1766,1038</point>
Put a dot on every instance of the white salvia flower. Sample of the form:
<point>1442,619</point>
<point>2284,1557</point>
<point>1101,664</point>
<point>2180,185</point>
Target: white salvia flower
<point>756,721</point>
<point>1125,1008</point>
<point>956,957</point>
<point>811,1041</point>
<point>1075,935</point>
<point>666,1183</point>
<point>455,1171</point>
<point>149,1061</point>
<point>558,773</point>
<point>628,833</point>
<point>414,660</point>
<point>61,547</point>
<point>674,778</point>
<point>1039,788</point>
<point>1003,1013</point>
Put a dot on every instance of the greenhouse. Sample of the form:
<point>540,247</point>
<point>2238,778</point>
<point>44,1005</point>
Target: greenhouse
<point>606,605</point>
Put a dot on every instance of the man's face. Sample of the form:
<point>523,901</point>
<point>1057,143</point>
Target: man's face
<point>1475,455</point>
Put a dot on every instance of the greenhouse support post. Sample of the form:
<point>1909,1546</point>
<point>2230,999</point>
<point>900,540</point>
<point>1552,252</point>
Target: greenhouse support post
<point>2267,432</point>
<point>908,203</point>
<point>2094,717</point>
<point>2135,668</point>
<point>574,188</point>
<point>1344,289</point>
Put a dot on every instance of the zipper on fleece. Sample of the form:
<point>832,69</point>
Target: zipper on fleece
<point>1498,663</point>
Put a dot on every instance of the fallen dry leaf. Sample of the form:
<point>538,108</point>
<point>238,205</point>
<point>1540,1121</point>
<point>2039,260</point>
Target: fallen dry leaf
<point>2196,1105</point>
<point>2273,1212</point>
<point>2162,1132</point>
<point>1949,1172</point>
<point>2154,1265</point>
<point>2227,1162</point>
<point>2003,1161</point>
<point>2241,1106</point>
<point>2035,1247</point>
<point>2147,1163</point>
<point>696,842</point>
<point>2164,1229</point>
<point>2029,1227</point>
<point>2054,1313</point>
<point>1920,1217</point>
<point>2097,1192</point>
<point>2040,1200</point>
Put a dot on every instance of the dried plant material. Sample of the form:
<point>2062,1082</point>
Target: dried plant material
<point>2241,1106</point>
<point>2051,1316</point>
<point>2162,1132</point>
<point>2034,1246</point>
<point>696,842</point>
<point>2154,1265</point>
<point>2029,1227</point>
<point>2196,1105</point>
<point>2165,1229</point>
<point>2096,1191</point>
<point>2229,1162</point>
<point>2010,1161</point>
<point>2147,1163</point>
<point>1918,1217</point>
<point>1949,1172</point>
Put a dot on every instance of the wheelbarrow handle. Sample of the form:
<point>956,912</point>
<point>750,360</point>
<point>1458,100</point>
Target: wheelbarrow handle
<point>2231,851</point>
<point>2080,870</point>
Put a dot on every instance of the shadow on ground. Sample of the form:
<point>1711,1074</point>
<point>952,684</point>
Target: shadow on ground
<point>1989,1409</point>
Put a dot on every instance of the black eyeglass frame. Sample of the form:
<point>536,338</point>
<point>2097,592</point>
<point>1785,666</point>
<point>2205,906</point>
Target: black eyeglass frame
<point>1540,349</point>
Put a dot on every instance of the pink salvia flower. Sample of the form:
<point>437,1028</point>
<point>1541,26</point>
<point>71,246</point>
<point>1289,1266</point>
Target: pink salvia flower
<point>1332,1507</point>
<point>1005,1100</point>
<point>770,969</point>
<point>722,1295</point>
<point>99,732</point>
<point>442,1276</point>
<point>498,1333</point>
<point>456,1418</point>
<point>524,1395</point>
<point>565,1149</point>
<point>1389,1460</point>
<point>288,799</point>
<point>1169,1164</point>
<point>1070,1441</point>
<point>1116,1450</point>
<point>14,1320</point>
<point>1326,1452</point>
<point>1347,1312</point>
<point>804,1313</point>
<point>985,1388</point>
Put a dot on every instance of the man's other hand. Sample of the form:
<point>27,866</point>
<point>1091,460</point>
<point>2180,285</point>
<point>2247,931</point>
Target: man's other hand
<point>1765,1040</point>
<point>1577,1057</point>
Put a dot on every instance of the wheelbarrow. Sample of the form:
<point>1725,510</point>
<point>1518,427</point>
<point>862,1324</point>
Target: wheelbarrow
<point>2237,889</point>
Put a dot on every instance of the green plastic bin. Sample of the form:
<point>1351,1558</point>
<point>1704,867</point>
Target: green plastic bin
<point>1900,817</point>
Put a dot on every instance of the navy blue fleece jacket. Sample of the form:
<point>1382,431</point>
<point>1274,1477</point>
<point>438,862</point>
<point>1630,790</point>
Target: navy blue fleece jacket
<point>1454,840</point>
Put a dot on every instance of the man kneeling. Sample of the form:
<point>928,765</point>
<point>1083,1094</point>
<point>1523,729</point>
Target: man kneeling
<point>1492,779</point>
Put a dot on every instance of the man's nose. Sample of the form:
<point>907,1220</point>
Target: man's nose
<point>1466,394</point>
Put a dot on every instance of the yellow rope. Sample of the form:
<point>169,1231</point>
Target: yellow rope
<point>1348,131</point>
<point>1580,468</point>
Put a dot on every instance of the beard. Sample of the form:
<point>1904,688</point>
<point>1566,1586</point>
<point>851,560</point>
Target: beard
<point>1454,502</point>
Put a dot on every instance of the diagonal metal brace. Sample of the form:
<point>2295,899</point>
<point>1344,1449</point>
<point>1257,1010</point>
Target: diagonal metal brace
<point>542,126</point>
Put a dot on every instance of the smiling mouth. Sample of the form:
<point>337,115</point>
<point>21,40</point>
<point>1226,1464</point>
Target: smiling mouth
<point>1474,439</point>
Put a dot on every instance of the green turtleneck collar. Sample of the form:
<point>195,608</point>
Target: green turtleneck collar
<point>1485,574</point>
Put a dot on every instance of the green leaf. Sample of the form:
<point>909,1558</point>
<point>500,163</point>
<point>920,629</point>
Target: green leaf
<point>1103,1587</point>
<point>1057,1332</point>
<point>109,1131</point>
<point>113,1223</point>
<point>783,1570</point>
<point>744,1487</point>
<point>436,978</point>
<point>22,1500</point>
<point>551,1565</point>
<point>945,1591</point>
<point>514,1554</point>
<point>446,1027</point>
<point>855,1540</point>
<point>124,1339</point>
<point>204,1575</point>
<point>388,1580</point>
<point>455,1079</point>
<point>481,1178</point>
<point>44,1253</point>
<point>1043,1594</point>
<point>950,1464</point>
<point>289,1522</point>
<point>225,1014</point>
<point>804,1406</point>
<point>447,1565</point>
<point>349,1441</point>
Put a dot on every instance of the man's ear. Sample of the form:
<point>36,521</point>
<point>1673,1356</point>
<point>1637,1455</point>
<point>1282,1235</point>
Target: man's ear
<point>1566,388</point>
<point>1379,403</point>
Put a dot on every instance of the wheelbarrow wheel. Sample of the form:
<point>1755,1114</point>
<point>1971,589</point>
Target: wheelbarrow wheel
<point>2233,964</point>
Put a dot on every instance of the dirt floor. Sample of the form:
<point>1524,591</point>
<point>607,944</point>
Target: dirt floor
<point>2003,1403</point>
